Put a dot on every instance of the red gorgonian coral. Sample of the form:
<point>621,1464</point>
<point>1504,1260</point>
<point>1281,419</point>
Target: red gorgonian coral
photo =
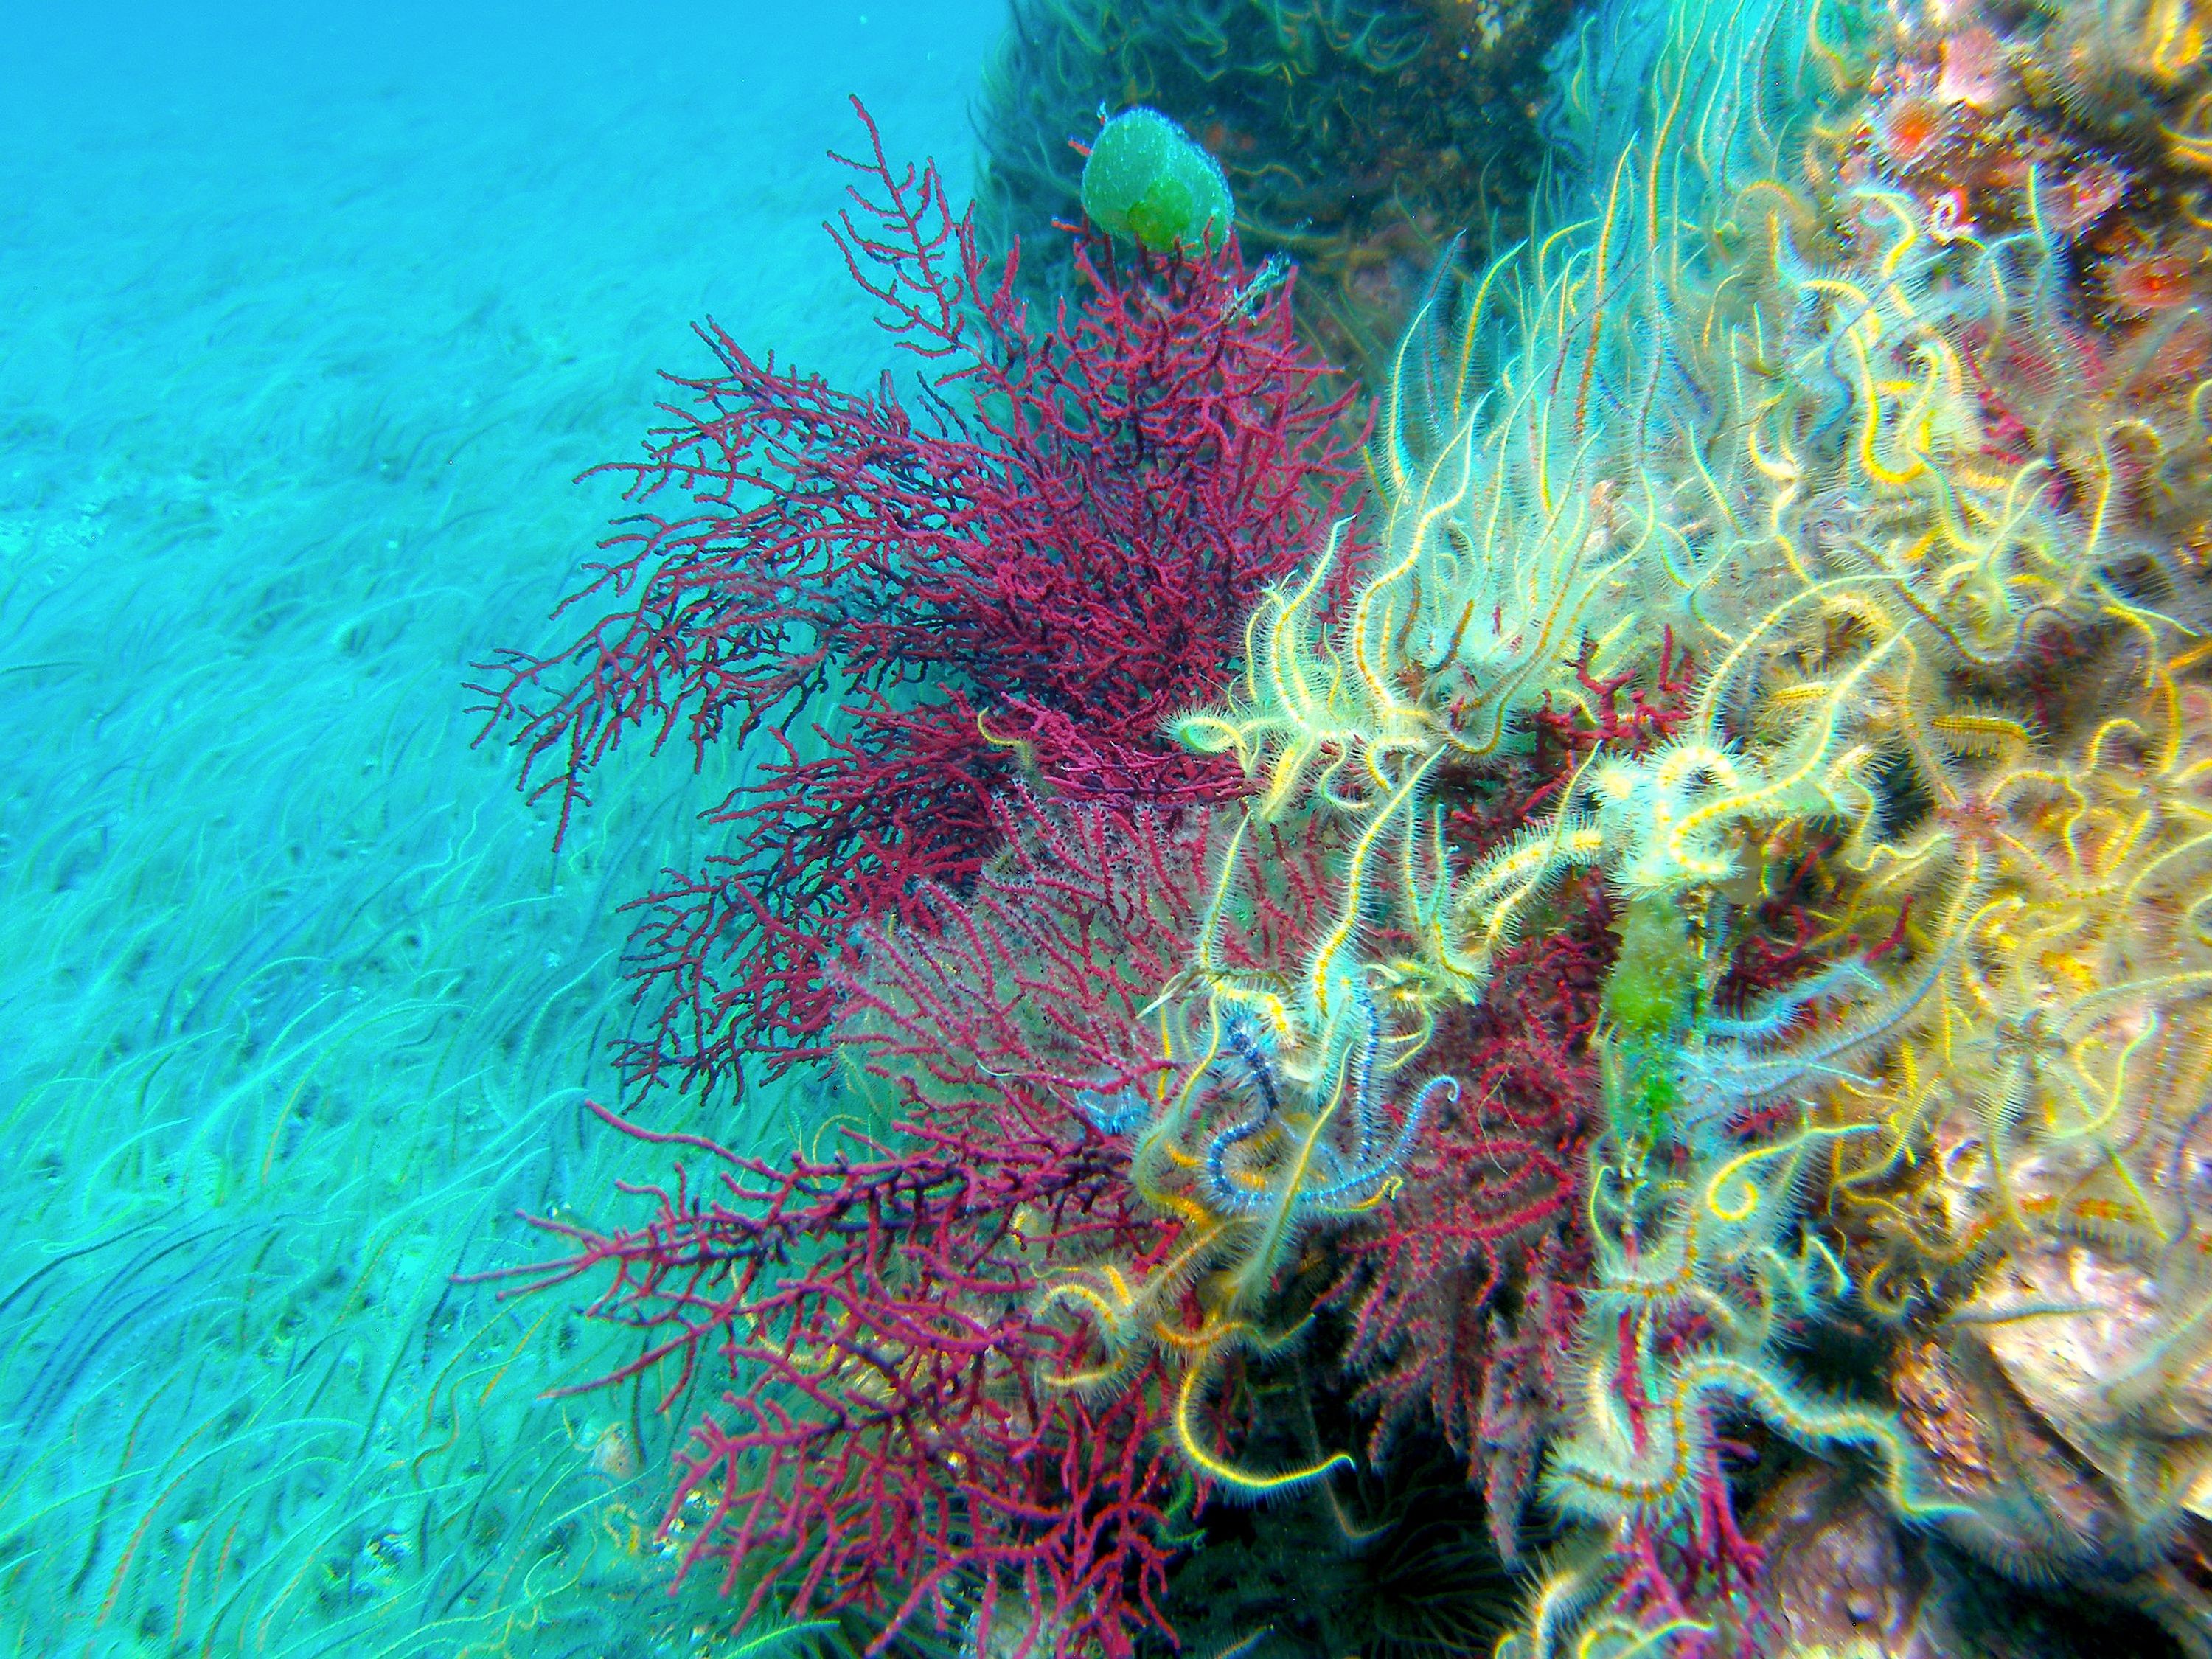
<point>902,1428</point>
<point>1463,1290</point>
<point>1028,576</point>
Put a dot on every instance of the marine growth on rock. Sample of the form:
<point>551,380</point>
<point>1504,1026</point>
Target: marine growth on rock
<point>1663,963</point>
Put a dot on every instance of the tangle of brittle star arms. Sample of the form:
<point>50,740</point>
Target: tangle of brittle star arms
<point>1261,1178</point>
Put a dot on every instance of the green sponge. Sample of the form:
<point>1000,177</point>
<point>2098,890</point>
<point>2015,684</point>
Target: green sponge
<point>1147,178</point>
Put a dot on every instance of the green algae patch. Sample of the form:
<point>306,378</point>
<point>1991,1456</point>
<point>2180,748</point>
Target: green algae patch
<point>1652,989</point>
<point>1649,999</point>
<point>1147,178</point>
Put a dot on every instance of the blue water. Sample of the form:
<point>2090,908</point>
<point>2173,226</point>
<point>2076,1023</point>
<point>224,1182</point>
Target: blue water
<point>308,318</point>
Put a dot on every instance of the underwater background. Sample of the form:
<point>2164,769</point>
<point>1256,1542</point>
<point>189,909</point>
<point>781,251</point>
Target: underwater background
<point>311,315</point>
<point>1445,888</point>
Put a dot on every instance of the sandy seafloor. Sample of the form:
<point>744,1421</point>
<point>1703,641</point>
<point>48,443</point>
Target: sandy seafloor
<point>308,318</point>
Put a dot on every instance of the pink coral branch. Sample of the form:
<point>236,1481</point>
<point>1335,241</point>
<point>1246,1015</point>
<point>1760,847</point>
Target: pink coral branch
<point>890,1426</point>
<point>1028,579</point>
